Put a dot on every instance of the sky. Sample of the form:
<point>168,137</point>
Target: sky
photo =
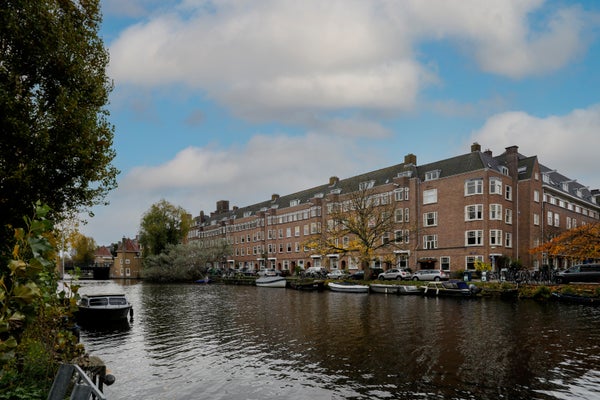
<point>238,100</point>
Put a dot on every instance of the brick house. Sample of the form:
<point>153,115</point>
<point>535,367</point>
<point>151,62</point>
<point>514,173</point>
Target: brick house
<point>128,262</point>
<point>448,215</point>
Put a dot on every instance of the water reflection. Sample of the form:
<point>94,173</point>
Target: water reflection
<point>229,342</point>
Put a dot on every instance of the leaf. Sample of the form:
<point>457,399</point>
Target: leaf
<point>26,294</point>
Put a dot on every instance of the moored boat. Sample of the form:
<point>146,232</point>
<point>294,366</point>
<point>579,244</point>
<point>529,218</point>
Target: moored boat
<point>348,287</point>
<point>450,288</point>
<point>383,288</point>
<point>410,289</point>
<point>271,281</point>
<point>307,284</point>
<point>575,298</point>
<point>103,308</point>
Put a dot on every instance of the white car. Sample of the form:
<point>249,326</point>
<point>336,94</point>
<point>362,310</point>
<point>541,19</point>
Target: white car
<point>430,275</point>
<point>337,274</point>
<point>395,273</point>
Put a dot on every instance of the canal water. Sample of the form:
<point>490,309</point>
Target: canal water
<point>243,342</point>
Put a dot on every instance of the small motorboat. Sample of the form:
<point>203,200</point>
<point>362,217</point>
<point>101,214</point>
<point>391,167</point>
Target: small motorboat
<point>271,281</point>
<point>103,308</point>
<point>348,287</point>
<point>308,284</point>
<point>410,289</point>
<point>450,288</point>
<point>383,288</point>
<point>204,280</point>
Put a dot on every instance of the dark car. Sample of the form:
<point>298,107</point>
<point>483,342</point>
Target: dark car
<point>358,275</point>
<point>580,273</point>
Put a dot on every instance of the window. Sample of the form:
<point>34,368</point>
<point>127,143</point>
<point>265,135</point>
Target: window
<point>508,193</point>
<point>385,238</point>
<point>430,218</point>
<point>556,220</point>
<point>366,185</point>
<point>430,242</point>
<point>399,194</point>
<point>550,218</point>
<point>496,212</point>
<point>536,196</point>
<point>430,196</point>
<point>399,236</point>
<point>398,215</point>
<point>288,232</point>
<point>495,186</point>
<point>445,263</point>
<point>432,175</point>
<point>470,261</point>
<point>297,231</point>
<point>568,222</point>
<point>474,238</point>
<point>507,239</point>
<point>495,237</point>
<point>536,219</point>
<point>473,186</point>
<point>406,215</point>
<point>508,216</point>
<point>474,212</point>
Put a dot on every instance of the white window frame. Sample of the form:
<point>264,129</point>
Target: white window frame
<point>430,218</point>
<point>476,235</point>
<point>495,186</point>
<point>430,242</point>
<point>473,186</point>
<point>495,237</point>
<point>430,196</point>
<point>496,212</point>
<point>477,211</point>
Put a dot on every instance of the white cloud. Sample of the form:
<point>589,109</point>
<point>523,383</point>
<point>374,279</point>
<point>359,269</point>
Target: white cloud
<point>196,178</point>
<point>262,58</point>
<point>567,143</point>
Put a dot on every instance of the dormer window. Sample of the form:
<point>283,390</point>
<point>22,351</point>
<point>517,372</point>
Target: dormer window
<point>294,202</point>
<point>366,185</point>
<point>247,213</point>
<point>546,178</point>
<point>432,175</point>
<point>565,186</point>
<point>504,170</point>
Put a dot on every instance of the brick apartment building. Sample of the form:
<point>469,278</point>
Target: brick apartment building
<point>448,214</point>
<point>128,262</point>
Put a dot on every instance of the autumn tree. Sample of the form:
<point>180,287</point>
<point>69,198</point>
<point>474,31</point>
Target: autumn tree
<point>83,249</point>
<point>581,243</point>
<point>359,224</point>
<point>57,141</point>
<point>161,225</point>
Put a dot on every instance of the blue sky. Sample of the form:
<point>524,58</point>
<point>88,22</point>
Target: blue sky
<point>237,100</point>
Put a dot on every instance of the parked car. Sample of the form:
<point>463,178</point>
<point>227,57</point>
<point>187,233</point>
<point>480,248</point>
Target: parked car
<point>337,274</point>
<point>395,273</point>
<point>358,275</point>
<point>430,275</point>
<point>316,272</point>
<point>580,273</point>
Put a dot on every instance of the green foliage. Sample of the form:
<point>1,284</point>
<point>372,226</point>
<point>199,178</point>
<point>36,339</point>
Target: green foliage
<point>162,225</point>
<point>56,138</point>
<point>83,250</point>
<point>34,317</point>
<point>183,262</point>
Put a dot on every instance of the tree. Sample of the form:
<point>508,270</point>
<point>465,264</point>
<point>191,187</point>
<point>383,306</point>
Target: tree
<point>83,249</point>
<point>161,225</point>
<point>581,243</point>
<point>184,262</point>
<point>56,142</point>
<point>360,223</point>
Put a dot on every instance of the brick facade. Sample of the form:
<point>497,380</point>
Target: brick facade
<point>474,206</point>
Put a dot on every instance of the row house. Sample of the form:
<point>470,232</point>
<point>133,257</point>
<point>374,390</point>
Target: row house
<point>448,215</point>
<point>128,261</point>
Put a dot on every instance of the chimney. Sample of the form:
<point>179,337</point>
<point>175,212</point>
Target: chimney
<point>475,147</point>
<point>488,152</point>
<point>410,159</point>
<point>222,206</point>
<point>333,180</point>
<point>274,197</point>
<point>512,161</point>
